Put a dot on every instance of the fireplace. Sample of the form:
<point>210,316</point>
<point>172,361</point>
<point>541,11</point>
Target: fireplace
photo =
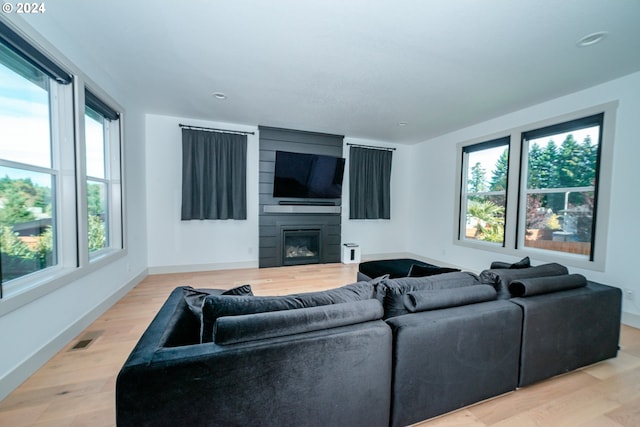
<point>301,246</point>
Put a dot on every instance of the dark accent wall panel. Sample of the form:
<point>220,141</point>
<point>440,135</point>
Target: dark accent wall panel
<point>272,224</point>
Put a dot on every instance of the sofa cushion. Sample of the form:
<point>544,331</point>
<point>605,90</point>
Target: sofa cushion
<point>215,306</point>
<point>391,292</point>
<point>501,278</point>
<point>523,263</point>
<point>444,298</point>
<point>544,285</point>
<point>250,327</point>
<point>195,297</point>
<point>418,270</point>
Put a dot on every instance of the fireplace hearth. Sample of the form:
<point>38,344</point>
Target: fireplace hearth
<point>301,246</point>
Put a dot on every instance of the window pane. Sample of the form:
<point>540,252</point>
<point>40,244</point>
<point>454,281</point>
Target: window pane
<point>94,143</point>
<point>485,218</point>
<point>564,160</point>
<point>27,225</point>
<point>485,198</point>
<point>97,215</point>
<point>488,170</point>
<point>25,135</point>
<point>562,220</point>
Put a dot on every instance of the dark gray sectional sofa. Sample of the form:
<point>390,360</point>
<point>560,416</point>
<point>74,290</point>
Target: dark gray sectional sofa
<point>382,352</point>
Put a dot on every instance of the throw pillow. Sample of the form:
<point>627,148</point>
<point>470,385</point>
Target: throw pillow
<point>501,278</point>
<point>543,285</point>
<point>523,263</point>
<point>195,297</point>
<point>215,306</point>
<point>392,291</point>
<point>445,298</point>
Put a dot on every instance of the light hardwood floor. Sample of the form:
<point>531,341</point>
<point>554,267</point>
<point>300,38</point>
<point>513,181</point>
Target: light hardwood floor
<point>76,387</point>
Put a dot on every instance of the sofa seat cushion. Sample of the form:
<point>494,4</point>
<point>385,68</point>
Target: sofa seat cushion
<point>216,306</point>
<point>544,285</point>
<point>501,278</point>
<point>391,292</point>
<point>445,298</point>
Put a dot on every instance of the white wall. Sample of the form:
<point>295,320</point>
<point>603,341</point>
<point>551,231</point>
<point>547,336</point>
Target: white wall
<point>176,245</point>
<point>434,165</point>
<point>33,333</point>
<point>380,238</point>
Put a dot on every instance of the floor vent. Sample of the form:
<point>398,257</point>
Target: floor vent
<point>86,340</point>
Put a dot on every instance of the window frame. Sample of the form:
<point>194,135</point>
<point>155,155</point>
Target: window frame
<point>67,128</point>
<point>112,164</point>
<point>515,219</point>
<point>564,127</point>
<point>464,194</point>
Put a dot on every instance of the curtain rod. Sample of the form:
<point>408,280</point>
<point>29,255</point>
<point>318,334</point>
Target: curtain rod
<point>216,130</point>
<point>372,146</point>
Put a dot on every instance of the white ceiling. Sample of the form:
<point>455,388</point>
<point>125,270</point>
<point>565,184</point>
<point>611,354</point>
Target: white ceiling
<point>350,67</point>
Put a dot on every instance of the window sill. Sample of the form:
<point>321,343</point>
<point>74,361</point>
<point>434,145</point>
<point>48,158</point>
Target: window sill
<point>29,289</point>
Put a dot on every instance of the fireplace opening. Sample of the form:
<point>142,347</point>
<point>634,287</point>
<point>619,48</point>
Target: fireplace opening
<point>300,247</point>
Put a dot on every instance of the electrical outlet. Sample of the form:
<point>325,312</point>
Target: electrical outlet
<point>629,295</point>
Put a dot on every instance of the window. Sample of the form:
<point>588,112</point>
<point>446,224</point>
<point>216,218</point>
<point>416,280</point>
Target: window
<point>28,171</point>
<point>558,212</point>
<point>559,191</point>
<point>102,161</point>
<point>484,191</point>
<point>60,212</point>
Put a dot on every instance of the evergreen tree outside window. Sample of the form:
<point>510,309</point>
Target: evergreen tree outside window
<point>562,164</point>
<point>484,191</point>
<point>559,210</point>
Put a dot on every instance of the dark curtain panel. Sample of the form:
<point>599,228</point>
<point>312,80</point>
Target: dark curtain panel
<point>214,175</point>
<point>369,183</point>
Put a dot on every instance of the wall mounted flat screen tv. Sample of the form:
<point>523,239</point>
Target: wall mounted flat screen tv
<point>310,176</point>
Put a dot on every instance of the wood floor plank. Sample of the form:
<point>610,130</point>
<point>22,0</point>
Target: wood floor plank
<point>77,387</point>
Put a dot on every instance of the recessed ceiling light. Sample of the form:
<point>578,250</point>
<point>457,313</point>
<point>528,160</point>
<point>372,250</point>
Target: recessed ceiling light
<point>592,39</point>
<point>219,95</point>
<point>403,123</point>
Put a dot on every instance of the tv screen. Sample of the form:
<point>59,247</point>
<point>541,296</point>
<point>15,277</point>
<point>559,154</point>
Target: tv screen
<point>307,176</point>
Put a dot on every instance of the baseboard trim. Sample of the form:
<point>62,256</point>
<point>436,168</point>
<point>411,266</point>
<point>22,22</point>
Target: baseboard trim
<point>193,268</point>
<point>17,376</point>
<point>631,319</point>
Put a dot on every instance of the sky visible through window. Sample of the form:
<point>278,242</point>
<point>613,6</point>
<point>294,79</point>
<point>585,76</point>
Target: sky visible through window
<point>24,125</point>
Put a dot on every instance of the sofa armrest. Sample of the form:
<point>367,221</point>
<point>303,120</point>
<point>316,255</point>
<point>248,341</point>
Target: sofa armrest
<point>339,376</point>
<point>249,327</point>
